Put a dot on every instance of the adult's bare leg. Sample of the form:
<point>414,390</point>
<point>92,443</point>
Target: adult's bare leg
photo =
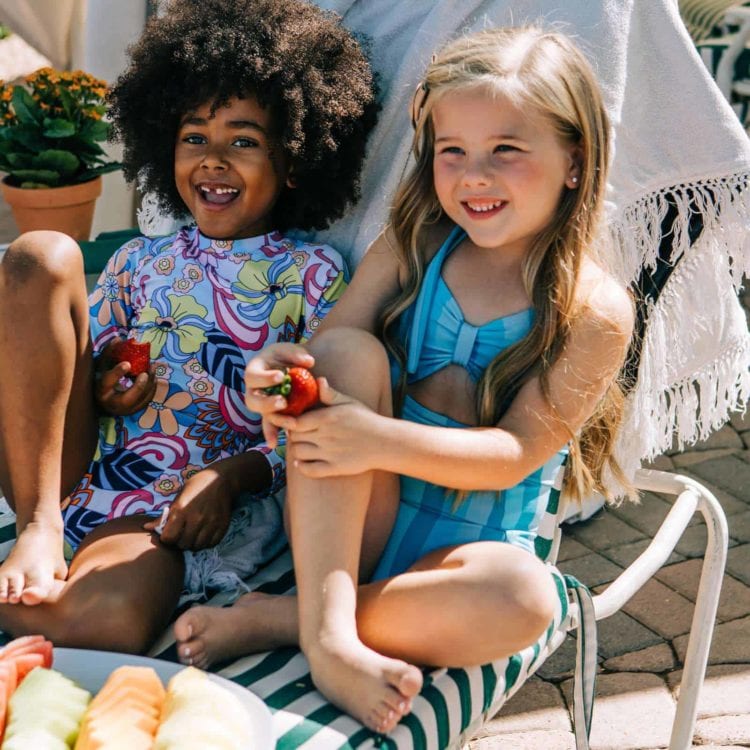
<point>47,417</point>
<point>122,589</point>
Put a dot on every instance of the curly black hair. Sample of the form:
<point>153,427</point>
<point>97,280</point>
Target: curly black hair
<point>295,58</point>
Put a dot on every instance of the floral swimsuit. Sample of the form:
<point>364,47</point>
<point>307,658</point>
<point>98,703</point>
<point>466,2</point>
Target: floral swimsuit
<point>207,307</point>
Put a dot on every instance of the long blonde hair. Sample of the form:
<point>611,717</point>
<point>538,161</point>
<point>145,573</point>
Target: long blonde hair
<point>546,72</point>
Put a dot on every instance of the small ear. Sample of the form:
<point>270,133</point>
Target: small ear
<point>575,168</point>
<point>291,180</point>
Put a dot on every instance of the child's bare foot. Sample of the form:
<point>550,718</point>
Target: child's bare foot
<point>372,688</point>
<point>256,622</point>
<point>35,567</point>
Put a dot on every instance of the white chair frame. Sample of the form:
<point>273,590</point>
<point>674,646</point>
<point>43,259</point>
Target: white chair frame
<point>691,497</point>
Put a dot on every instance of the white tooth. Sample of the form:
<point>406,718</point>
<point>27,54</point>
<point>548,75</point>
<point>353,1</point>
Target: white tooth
<point>485,207</point>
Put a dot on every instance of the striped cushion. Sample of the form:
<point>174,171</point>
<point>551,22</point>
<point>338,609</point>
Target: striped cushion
<point>453,703</point>
<point>451,707</point>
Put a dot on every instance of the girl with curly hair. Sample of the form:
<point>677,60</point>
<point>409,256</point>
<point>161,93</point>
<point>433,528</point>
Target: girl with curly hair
<point>251,116</point>
<point>488,341</point>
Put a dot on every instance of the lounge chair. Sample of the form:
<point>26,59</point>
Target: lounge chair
<point>454,703</point>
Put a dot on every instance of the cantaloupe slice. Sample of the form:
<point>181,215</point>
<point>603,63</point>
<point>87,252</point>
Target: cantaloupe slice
<point>125,713</point>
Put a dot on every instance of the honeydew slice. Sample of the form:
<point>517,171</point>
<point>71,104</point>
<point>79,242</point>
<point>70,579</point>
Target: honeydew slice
<point>198,713</point>
<point>46,702</point>
<point>34,738</point>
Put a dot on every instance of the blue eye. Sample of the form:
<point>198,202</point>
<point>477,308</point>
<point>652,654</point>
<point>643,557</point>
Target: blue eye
<point>504,148</point>
<point>451,150</point>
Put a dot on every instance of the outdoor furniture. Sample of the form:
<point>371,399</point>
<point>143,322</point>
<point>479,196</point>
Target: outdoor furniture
<point>454,703</point>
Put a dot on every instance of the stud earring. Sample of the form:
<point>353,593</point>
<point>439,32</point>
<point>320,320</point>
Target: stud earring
<point>574,180</point>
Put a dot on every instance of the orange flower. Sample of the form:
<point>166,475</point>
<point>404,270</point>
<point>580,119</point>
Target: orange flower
<point>162,407</point>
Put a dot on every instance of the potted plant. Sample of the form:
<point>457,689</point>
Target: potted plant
<point>50,130</point>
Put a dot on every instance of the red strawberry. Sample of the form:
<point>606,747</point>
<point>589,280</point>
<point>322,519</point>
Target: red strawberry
<point>129,350</point>
<point>299,388</point>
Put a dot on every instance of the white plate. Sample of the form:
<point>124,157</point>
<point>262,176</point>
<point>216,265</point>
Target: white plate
<point>90,669</point>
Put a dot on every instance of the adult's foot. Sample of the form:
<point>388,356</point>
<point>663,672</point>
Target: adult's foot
<point>35,568</point>
<point>373,688</point>
<point>255,622</point>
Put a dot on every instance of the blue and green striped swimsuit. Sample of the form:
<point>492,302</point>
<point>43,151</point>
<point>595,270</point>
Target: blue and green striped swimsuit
<point>438,335</point>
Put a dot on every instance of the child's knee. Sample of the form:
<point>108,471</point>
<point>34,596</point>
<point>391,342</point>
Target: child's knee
<point>534,597</point>
<point>350,349</point>
<point>520,587</point>
<point>42,254</point>
<point>112,620</point>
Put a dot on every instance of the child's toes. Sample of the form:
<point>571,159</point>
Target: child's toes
<point>385,718</point>
<point>15,587</point>
<point>191,625</point>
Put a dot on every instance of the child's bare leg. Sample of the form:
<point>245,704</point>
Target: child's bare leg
<point>459,606</point>
<point>46,372</point>
<point>207,635</point>
<point>455,607</point>
<point>327,521</point>
<point>122,589</point>
<point>256,622</point>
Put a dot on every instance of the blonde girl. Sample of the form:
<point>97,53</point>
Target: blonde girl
<point>473,357</point>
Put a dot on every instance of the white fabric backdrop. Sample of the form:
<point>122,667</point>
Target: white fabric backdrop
<point>47,25</point>
<point>674,134</point>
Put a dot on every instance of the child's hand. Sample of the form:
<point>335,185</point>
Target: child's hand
<point>266,370</point>
<point>340,440</point>
<point>199,517</point>
<point>111,397</point>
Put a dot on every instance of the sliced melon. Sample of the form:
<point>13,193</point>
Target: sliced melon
<point>125,713</point>
<point>198,713</point>
<point>46,702</point>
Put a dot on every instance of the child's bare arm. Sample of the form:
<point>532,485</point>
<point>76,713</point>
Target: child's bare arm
<point>375,282</point>
<point>349,438</point>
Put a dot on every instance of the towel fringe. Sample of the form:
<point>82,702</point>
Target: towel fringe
<point>636,232</point>
<point>694,368</point>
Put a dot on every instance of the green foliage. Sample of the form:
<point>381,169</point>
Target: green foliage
<point>51,128</point>
<point>4,31</point>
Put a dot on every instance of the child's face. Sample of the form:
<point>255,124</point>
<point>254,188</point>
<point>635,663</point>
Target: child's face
<point>227,170</point>
<point>499,171</point>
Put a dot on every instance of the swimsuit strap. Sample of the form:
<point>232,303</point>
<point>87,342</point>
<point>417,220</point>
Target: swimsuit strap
<point>423,306</point>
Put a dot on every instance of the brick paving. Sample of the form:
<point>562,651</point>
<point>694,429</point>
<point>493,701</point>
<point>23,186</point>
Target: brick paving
<point>642,647</point>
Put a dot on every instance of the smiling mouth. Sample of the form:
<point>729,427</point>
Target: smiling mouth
<point>483,209</point>
<point>217,195</point>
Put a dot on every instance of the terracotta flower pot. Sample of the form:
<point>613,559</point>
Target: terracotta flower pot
<point>68,209</point>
